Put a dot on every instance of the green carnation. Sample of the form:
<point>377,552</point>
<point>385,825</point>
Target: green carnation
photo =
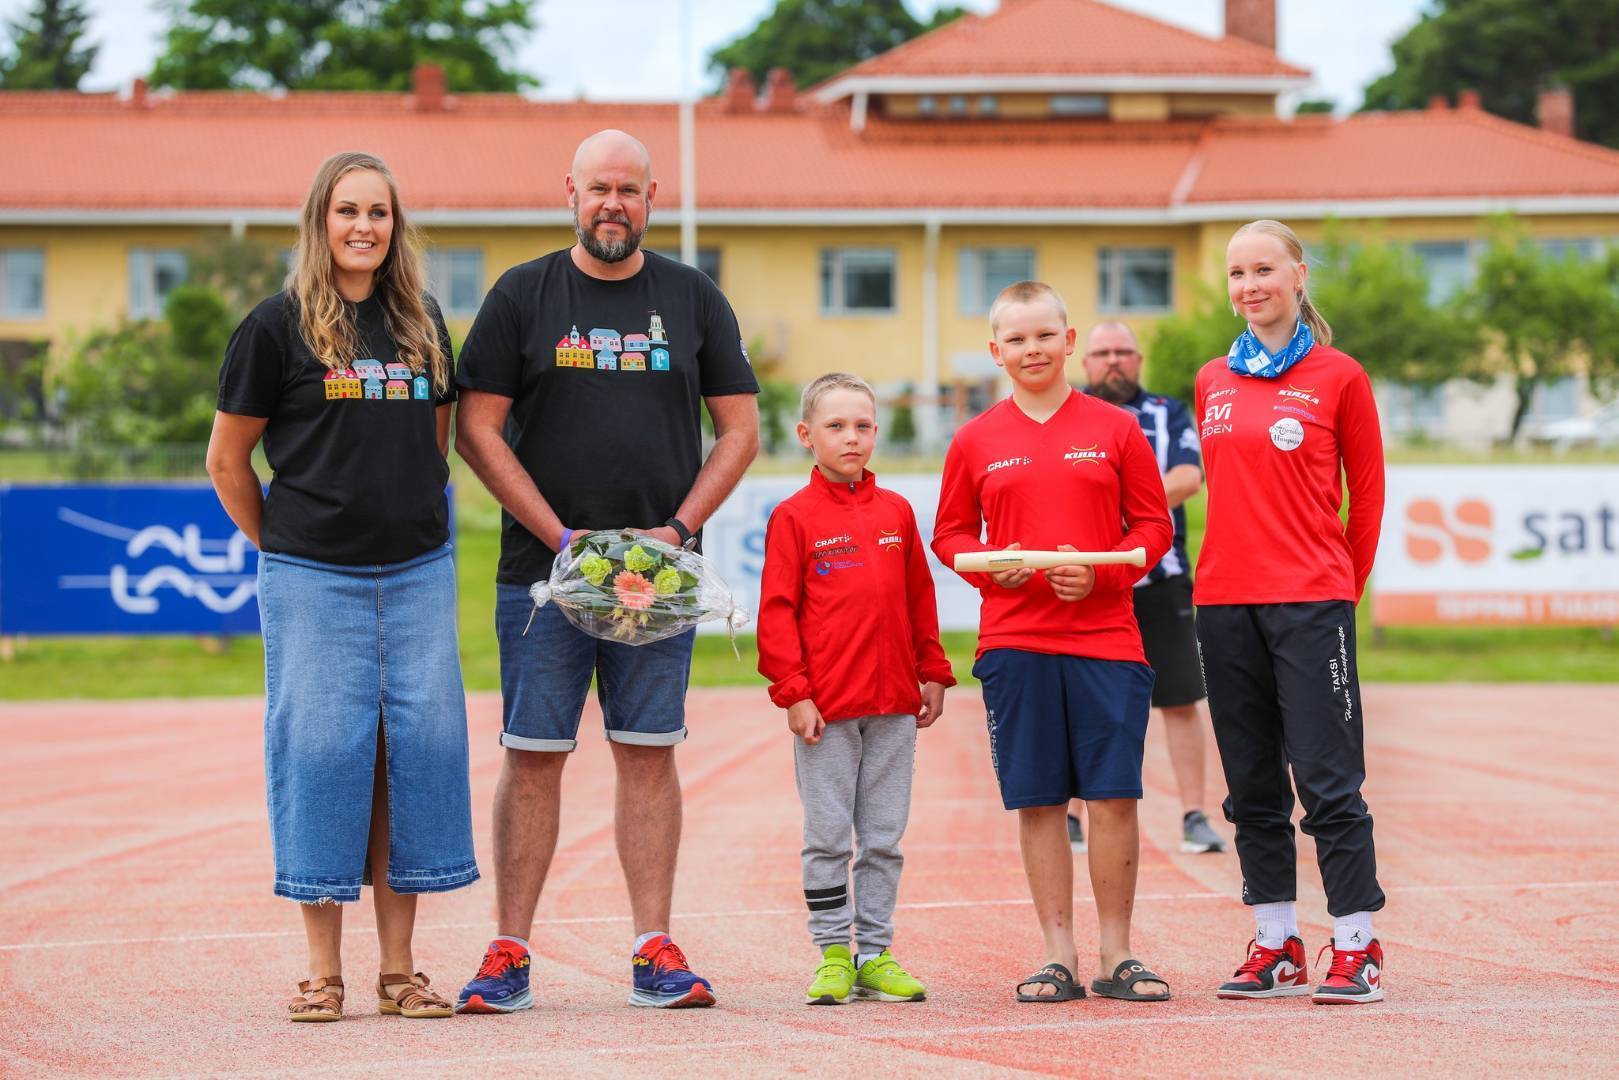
<point>639,559</point>
<point>667,583</point>
<point>595,568</point>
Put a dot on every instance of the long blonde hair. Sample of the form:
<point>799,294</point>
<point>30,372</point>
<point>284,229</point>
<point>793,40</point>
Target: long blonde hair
<point>1295,250</point>
<point>325,320</point>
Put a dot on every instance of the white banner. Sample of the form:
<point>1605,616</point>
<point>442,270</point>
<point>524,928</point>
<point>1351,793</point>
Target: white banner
<point>734,542</point>
<point>1508,544</point>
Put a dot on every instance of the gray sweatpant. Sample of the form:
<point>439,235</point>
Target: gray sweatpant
<point>855,784</point>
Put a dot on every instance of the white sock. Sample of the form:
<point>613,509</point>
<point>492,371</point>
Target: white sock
<point>518,940</point>
<point>646,937</point>
<point>862,957</point>
<point>1275,923</point>
<point>1353,932</point>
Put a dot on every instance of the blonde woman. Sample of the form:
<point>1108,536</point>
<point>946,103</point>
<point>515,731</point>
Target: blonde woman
<point>346,378</point>
<point>1286,422</point>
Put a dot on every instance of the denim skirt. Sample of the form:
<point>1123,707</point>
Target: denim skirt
<point>350,651</point>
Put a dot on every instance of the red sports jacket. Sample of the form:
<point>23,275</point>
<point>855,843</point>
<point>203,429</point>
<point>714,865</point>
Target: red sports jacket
<point>847,617</point>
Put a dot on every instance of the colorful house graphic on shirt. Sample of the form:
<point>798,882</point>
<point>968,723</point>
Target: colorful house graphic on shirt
<point>398,381</point>
<point>655,331</point>
<point>341,383</point>
<point>419,387</point>
<point>607,360</point>
<point>637,343</point>
<point>660,359</point>
<point>573,351</point>
<point>631,361</point>
<point>606,339</point>
<point>371,372</point>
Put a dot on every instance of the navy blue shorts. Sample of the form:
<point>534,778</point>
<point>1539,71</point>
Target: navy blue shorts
<point>1064,727</point>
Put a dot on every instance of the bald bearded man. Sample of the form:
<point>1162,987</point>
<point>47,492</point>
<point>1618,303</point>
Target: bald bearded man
<point>582,383</point>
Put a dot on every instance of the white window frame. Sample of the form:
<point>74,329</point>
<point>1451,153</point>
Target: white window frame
<point>975,295</point>
<point>1411,409</point>
<point>834,266</point>
<point>1110,280</point>
<point>10,308</point>
<point>1470,250</point>
<point>709,260</point>
<point>440,278</point>
<point>144,265</point>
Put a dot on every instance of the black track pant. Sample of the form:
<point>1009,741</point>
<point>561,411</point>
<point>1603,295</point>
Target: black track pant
<point>1283,691</point>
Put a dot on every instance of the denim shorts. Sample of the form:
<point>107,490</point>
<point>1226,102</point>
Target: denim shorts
<point>1064,727</point>
<point>349,651</point>
<point>545,675</point>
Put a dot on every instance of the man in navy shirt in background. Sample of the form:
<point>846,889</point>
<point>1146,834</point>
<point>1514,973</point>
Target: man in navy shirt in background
<point>1163,596</point>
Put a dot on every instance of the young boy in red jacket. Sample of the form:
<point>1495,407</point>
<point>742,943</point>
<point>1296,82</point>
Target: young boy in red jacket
<point>848,630</point>
<point>1066,684</point>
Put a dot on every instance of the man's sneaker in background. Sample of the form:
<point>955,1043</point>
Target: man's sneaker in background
<point>663,979</point>
<point>1076,834</point>
<point>834,979</point>
<point>1269,973</point>
<point>1355,978</point>
<point>881,977</point>
<point>1198,836</point>
<point>501,985</point>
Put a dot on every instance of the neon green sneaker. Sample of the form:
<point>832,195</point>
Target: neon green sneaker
<point>833,979</point>
<point>882,978</point>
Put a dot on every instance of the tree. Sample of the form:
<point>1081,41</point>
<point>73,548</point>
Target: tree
<point>47,53</point>
<point>1314,105</point>
<point>1544,318</point>
<point>1181,344</point>
<point>1509,50</point>
<point>240,270</point>
<point>816,39</point>
<point>341,44</point>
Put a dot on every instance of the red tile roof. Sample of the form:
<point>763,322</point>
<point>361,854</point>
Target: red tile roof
<point>244,151</point>
<point>1070,37</point>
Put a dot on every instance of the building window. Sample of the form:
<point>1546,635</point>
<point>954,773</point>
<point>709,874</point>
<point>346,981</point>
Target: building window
<point>1078,105</point>
<point>1555,399</point>
<point>927,105</point>
<point>1412,410</point>
<point>153,274</point>
<point>988,105</point>
<point>958,104</point>
<point>708,260</point>
<point>1582,248</point>
<point>22,283</point>
<point>455,278</point>
<point>857,281</point>
<point>1449,267</point>
<point>1135,279</point>
<point>986,271</point>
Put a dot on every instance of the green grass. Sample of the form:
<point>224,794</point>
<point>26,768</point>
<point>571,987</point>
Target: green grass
<point>127,667</point>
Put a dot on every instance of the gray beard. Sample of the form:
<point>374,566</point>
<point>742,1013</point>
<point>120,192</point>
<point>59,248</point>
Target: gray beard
<point>614,252</point>
<point>1116,391</point>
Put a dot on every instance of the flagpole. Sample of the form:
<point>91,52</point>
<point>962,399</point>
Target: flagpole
<point>688,143</point>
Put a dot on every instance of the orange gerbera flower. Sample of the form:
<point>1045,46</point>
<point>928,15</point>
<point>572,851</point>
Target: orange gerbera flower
<point>634,592</point>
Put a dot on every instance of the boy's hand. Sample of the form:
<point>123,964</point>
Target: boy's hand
<point>804,720</point>
<point>1071,582</point>
<point>1015,578</point>
<point>932,704</point>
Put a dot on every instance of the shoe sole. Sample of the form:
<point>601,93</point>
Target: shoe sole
<point>698,997</point>
<point>1319,998</point>
<point>478,1006</point>
<point>1190,848</point>
<point>1273,992</point>
<point>864,992</point>
<point>826,999</point>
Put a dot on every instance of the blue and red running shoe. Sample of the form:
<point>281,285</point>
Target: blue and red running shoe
<point>501,985</point>
<point>663,979</point>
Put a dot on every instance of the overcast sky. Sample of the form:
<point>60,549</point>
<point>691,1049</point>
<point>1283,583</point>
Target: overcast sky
<point>1344,42</point>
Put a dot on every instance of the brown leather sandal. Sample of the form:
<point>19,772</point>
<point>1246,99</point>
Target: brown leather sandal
<point>323,1007</point>
<point>415,1003</point>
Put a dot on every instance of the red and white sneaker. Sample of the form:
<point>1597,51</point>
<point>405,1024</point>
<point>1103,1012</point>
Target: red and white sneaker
<point>1355,978</point>
<point>1269,973</point>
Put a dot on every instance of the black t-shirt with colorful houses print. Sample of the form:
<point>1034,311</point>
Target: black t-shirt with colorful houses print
<point>606,380</point>
<point>358,477</point>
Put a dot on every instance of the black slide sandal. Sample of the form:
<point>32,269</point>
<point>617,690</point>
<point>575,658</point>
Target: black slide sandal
<point>1125,976</point>
<point>1053,975</point>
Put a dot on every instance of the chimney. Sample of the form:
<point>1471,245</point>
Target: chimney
<point>1554,111</point>
<point>1252,20</point>
<point>1439,103</point>
<point>1469,99</point>
<point>137,94</point>
<point>780,94</point>
<point>427,84</point>
<point>739,91</point>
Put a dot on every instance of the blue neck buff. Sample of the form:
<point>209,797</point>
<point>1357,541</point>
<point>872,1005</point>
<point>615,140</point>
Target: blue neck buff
<point>1248,356</point>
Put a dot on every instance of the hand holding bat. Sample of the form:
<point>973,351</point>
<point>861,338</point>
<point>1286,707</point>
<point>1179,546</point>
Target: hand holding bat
<point>1072,582</point>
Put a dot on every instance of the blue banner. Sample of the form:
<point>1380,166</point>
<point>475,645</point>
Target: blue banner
<point>152,559</point>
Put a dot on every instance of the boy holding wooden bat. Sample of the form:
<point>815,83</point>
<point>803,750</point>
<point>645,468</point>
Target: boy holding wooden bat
<point>1066,684</point>
<point>848,633</point>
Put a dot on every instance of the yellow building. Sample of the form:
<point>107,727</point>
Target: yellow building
<point>864,225</point>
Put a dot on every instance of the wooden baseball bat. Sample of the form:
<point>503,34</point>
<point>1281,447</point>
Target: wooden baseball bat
<point>993,561</point>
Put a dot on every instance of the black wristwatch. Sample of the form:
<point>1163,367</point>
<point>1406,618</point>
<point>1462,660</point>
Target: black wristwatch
<point>680,530</point>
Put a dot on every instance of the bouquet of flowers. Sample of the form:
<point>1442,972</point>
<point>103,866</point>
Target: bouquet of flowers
<point>621,586</point>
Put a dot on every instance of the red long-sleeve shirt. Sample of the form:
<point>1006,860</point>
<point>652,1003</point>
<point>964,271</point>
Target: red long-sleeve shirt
<point>1272,452</point>
<point>847,616</point>
<point>1085,477</point>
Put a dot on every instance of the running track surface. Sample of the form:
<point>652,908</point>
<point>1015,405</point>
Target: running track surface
<point>139,936</point>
